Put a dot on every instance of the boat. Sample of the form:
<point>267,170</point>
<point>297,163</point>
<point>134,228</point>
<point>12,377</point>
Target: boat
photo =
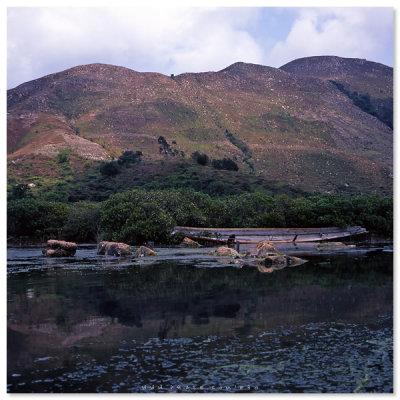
<point>255,235</point>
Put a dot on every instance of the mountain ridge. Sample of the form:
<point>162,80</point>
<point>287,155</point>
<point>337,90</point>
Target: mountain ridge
<point>297,123</point>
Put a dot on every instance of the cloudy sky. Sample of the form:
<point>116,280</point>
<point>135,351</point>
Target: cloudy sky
<point>43,40</point>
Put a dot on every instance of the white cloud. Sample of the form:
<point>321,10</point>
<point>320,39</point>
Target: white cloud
<point>174,40</point>
<point>167,40</point>
<point>345,32</point>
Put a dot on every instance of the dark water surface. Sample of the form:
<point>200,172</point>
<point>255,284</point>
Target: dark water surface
<point>189,322</point>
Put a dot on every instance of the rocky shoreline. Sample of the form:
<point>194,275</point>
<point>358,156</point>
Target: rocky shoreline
<point>265,256</point>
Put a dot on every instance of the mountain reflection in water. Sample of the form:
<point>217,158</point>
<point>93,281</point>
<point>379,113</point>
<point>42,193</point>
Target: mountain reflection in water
<point>90,307</point>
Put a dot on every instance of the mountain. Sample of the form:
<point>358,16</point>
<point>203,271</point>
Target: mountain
<point>368,84</point>
<point>304,125</point>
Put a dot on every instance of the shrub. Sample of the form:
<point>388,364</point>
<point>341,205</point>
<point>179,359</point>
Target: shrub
<point>110,168</point>
<point>129,157</point>
<point>200,158</point>
<point>52,218</point>
<point>164,146</point>
<point>19,191</point>
<point>36,219</point>
<point>82,223</point>
<point>23,217</point>
<point>131,217</point>
<point>226,163</point>
<point>63,156</point>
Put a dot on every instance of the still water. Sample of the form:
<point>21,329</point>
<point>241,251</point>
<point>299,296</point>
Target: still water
<point>190,322</point>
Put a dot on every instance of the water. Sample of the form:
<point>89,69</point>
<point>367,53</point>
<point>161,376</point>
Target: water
<point>190,322</point>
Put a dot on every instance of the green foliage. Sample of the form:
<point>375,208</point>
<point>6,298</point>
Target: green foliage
<point>166,149</point>
<point>363,101</point>
<point>238,143</point>
<point>82,223</point>
<point>164,146</point>
<point>111,168</point>
<point>136,217</point>
<point>129,157</point>
<point>52,218</point>
<point>243,147</point>
<point>200,158</point>
<point>240,211</point>
<point>22,217</point>
<point>63,156</point>
<point>226,163</point>
<point>19,191</point>
<point>56,195</point>
<point>36,219</point>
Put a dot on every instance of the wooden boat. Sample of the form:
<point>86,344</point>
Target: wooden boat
<point>255,235</point>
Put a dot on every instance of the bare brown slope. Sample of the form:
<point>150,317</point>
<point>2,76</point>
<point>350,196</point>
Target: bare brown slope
<point>356,78</point>
<point>273,123</point>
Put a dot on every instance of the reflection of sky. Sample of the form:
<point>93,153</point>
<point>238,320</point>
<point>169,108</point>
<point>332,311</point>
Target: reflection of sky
<point>169,40</point>
<point>87,324</point>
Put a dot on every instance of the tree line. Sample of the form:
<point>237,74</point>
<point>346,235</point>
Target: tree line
<point>137,216</point>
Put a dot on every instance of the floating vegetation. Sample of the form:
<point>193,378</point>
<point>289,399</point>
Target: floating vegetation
<point>313,358</point>
<point>108,325</point>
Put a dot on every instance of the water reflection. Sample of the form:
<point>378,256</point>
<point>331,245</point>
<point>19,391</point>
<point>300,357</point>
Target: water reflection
<point>97,304</point>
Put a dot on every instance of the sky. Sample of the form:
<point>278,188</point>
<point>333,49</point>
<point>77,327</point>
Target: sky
<point>177,39</point>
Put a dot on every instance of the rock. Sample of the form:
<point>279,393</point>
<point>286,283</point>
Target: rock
<point>226,252</point>
<point>114,249</point>
<point>57,253</point>
<point>56,244</point>
<point>186,242</point>
<point>144,251</point>
<point>59,248</point>
<point>264,249</point>
<point>272,263</point>
<point>280,261</point>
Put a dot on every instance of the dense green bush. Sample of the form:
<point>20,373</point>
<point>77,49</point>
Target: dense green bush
<point>200,158</point>
<point>23,217</point>
<point>363,101</point>
<point>129,157</point>
<point>226,163</point>
<point>19,191</point>
<point>63,156</point>
<point>137,216</point>
<point>36,219</point>
<point>111,168</point>
<point>82,223</point>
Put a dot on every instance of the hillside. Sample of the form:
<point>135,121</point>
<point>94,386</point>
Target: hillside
<point>295,126</point>
<point>369,84</point>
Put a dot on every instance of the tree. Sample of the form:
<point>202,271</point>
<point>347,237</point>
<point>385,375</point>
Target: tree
<point>136,217</point>
<point>23,217</point>
<point>36,219</point>
<point>146,222</point>
<point>129,157</point>
<point>19,191</point>
<point>226,163</point>
<point>52,219</point>
<point>200,158</point>
<point>82,222</point>
<point>164,148</point>
<point>63,156</point>
<point>110,168</point>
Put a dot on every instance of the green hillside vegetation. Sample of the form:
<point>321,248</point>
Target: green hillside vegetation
<point>307,144</point>
<point>137,216</point>
<point>363,100</point>
<point>265,122</point>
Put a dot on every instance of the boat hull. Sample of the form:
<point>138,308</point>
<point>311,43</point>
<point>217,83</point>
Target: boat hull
<point>255,235</point>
